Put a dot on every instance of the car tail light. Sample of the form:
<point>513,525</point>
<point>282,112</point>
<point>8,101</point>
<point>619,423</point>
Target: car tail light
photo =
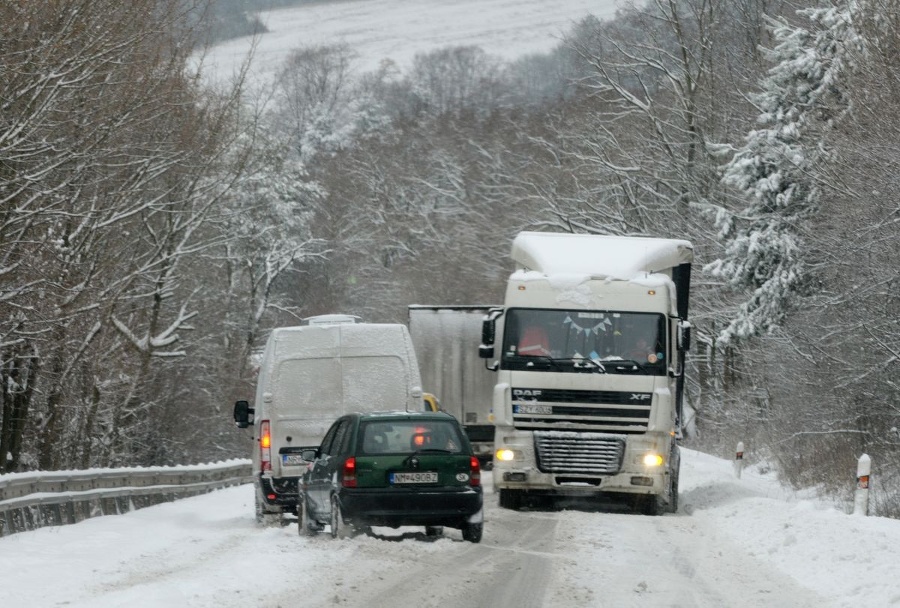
<point>265,446</point>
<point>474,471</point>
<point>348,479</point>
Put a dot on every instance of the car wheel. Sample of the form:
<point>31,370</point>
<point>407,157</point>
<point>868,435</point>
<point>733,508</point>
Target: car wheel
<point>472,532</point>
<point>305,526</point>
<point>434,530</point>
<point>511,499</point>
<point>338,528</point>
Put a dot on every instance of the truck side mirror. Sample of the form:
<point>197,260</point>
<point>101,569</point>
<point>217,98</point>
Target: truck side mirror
<point>489,333</point>
<point>242,414</point>
<point>684,336</point>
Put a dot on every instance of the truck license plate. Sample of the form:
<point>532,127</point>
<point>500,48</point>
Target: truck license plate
<point>531,408</point>
<point>417,477</point>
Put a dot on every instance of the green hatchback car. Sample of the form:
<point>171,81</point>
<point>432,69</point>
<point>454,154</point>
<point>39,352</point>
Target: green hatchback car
<point>393,469</point>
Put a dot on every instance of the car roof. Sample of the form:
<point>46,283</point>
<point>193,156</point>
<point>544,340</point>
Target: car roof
<point>404,415</point>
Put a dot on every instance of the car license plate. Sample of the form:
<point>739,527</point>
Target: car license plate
<point>416,477</point>
<point>531,408</point>
<point>292,460</point>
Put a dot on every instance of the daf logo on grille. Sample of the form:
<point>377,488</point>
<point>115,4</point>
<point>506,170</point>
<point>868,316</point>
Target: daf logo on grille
<point>533,393</point>
<point>639,396</point>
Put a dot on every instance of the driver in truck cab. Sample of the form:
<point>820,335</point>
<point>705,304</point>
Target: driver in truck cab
<point>534,343</point>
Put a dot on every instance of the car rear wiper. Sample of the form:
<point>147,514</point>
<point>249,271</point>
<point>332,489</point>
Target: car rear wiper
<point>426,451</point>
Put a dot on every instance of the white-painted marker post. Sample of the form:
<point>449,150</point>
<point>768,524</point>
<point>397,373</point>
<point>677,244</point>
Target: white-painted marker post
<point>863,481</point>
<point>738,459</point>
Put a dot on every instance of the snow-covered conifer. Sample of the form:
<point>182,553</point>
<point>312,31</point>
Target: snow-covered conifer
<point>775,170</point>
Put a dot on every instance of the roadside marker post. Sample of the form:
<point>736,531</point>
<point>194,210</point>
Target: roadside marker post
<point>863,482</point>
<point>738,459</point>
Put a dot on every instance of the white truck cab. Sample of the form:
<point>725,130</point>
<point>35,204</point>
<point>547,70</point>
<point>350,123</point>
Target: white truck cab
<point>589,351</point>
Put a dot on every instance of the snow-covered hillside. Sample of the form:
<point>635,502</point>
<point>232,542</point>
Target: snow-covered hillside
<point>734,543</point>
<point>398,29</point>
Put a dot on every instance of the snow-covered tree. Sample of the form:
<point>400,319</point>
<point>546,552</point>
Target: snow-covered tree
<point>775,169</point>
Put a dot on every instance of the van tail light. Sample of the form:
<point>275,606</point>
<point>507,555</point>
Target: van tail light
<point>348,477</point>
<point>474,472</point>
<point>265,446</point>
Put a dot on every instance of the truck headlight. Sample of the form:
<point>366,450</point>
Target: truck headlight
<point>652,459</point>
<point>505,455</point>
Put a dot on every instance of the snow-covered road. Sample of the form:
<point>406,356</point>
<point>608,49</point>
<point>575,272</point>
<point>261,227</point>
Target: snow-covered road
<point>733,543</point>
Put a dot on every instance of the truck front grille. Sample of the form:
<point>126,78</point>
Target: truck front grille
<point>598,411</point>
<point>575,453</point>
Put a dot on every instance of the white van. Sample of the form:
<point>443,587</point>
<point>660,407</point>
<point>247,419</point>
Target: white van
<point>311,375</point>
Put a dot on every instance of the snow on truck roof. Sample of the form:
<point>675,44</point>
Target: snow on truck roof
<point>615,257</point>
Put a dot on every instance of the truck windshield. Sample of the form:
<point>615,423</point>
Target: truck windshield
<point>584,341</point>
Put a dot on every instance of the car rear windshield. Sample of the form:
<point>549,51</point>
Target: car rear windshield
<point>406,436</point>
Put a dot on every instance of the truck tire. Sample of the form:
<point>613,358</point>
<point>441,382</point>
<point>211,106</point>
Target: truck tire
<point>511,499</point>
<point>673,492</point>
<point>652,504</point>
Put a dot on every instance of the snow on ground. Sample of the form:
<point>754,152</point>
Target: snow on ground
<point>398,29</point>
<point>733,543</point>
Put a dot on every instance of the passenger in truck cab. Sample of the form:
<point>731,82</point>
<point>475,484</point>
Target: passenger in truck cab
<point>642,351</point>
<point>534,343</point>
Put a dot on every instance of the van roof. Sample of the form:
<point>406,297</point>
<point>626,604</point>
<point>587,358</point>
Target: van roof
<point>333,319</point>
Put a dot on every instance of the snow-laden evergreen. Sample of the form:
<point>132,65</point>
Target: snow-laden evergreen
<point>775,170</point>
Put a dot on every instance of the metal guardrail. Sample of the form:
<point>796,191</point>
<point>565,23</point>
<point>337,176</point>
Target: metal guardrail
<point>33,500</point>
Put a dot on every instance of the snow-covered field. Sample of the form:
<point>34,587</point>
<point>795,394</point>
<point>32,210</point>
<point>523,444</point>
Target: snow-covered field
<point>734,543</point>
<point>396,30</point>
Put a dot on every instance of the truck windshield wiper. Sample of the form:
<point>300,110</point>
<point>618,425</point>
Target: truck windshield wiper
<point>594,364</point>
<point>530,360</point>
<point>626,364</point>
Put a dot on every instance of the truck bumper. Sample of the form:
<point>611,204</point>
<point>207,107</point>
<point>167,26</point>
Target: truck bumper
<point>631,482</point>
<point>631,476</point>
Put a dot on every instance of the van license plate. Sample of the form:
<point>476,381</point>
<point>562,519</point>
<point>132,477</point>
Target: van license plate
<point>417,477</point>
<point>292,460</point>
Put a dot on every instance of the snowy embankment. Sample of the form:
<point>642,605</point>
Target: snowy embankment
<point>733,543</point>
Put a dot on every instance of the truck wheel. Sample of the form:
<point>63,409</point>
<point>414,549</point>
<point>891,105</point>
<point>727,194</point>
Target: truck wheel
<point>673,486</point>
<point>511,499</point>
<point>472,532</point>
<point>673,494</point>
<point>650,504</point>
